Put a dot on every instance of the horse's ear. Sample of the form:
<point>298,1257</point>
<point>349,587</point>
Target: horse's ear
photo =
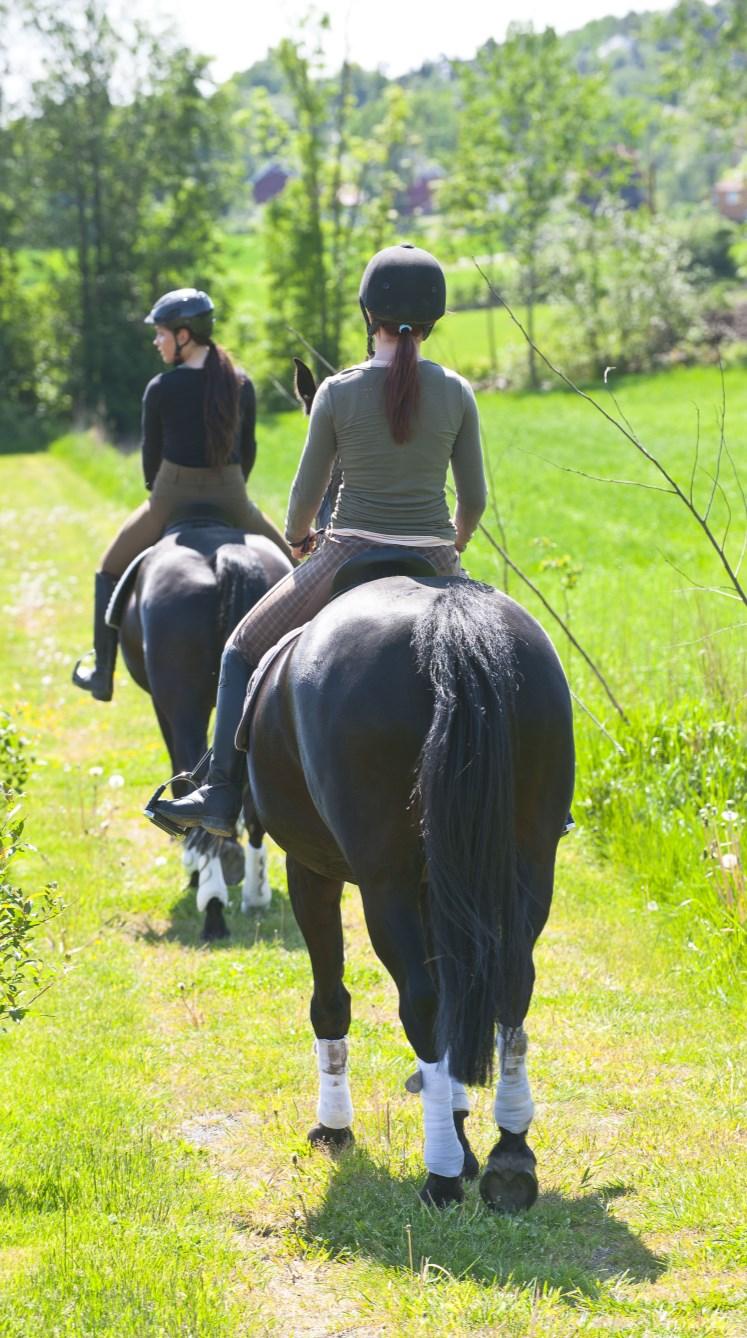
<point>304,384</point>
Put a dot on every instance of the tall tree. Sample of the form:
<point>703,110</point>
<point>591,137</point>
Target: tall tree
<point>129,155</point>
<point>17,343</point>
<point>340,203</point>
<point>522,125</point>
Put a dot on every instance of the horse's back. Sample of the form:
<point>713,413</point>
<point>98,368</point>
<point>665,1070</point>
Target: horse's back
<point>192,589</point>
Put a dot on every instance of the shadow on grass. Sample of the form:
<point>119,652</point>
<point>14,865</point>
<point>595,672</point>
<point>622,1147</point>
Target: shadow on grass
<point>569,1242</point>
<point>276,924</point>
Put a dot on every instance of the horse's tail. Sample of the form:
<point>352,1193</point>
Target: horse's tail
<point>465,786</point>
<point>241,581</point>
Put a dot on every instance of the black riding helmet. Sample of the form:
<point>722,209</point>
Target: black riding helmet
<point>403,284</point>
<point>184,309</point>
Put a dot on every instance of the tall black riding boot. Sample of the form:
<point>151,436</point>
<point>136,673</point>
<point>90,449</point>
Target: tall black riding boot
<point>216,805</point>
<point>99,679</point>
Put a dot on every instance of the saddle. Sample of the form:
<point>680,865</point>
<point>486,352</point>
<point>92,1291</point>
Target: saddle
<point>370,565</point>
<point>376,562</point>
<point>197,515</point>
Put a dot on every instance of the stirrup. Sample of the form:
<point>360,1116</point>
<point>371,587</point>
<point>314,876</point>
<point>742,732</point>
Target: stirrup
<point>194,778</point>
<point>81,683</point>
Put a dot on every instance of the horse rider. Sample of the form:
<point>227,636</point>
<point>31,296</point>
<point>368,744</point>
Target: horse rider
<point>198,445</point>
<point>397,421</point>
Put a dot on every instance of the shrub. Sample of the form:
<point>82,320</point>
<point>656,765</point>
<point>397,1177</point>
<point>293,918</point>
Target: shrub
<point>672,809</point>
<point>23,975</point>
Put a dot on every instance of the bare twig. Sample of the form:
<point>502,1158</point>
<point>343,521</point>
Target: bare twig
<point>707,636</point>
<point>743,495</point>
<point>560,621</point>
<point>700,518</point>
<point>595,478</point>
<point>311,348</point>
<point>708,589</point>
<point>721,438</point>
<point>603,728</point>
<point>695,455</point>
<point>496,513</point>
<point>282,391</point>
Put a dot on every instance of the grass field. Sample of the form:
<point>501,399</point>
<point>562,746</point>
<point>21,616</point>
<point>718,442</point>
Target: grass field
<point>154,1178</point>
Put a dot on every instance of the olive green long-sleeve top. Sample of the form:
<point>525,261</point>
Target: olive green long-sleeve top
<point>391,489</point>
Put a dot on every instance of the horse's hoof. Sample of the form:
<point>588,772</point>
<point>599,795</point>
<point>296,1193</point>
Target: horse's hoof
<point>509,1183</point>
<point>441,1190</point>
<point>231,857</point>
<point>215,926</point>
<point>334,1140</point>
<point>471,1168</point>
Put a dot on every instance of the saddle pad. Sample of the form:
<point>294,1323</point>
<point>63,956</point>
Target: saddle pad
<point>121,593</point>
<point>256,681</point>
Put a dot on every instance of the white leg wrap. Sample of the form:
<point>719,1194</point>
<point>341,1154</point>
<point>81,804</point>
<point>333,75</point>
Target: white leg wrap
<point>444,1154</point>
<point>459,1097</point>
<point>190,859</point>
<point>256,893</point>
<point>514,1106</point>
<point>212,883</point>
<point>335,1108</point>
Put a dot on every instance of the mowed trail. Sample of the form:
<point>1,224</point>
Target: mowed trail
<point>637,1064</point>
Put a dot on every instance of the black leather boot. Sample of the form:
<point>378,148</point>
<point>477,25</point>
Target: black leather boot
<point>217,803</point>
<point>99,679</point>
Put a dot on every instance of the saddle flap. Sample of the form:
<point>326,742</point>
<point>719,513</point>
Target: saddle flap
<point>121,593</point>
<point>376,562</point>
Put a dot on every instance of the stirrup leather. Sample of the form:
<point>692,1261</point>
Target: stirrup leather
<point>194,778</point>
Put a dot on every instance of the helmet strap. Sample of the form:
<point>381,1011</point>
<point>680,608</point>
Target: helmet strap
<point>178,348</point>
<point>370,329</point>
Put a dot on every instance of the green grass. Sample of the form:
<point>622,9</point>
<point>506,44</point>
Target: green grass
<point>155,1178</point>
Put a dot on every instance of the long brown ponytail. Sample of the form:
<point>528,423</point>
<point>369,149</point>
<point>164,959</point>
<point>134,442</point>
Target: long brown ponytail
<point>402,385</point>
<point>221,405</point>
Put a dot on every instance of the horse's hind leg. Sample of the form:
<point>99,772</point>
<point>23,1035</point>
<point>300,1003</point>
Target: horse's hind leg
<point>509,1182</point>
<point>256,893</point>
<point>396,927</point>
<point>316,906</point>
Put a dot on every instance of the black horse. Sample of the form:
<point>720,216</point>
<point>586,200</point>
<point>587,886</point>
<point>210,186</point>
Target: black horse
<point>416,739</point>
<point>190,591</point>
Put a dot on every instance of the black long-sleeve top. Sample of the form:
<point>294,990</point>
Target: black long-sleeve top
<point>174,423</point>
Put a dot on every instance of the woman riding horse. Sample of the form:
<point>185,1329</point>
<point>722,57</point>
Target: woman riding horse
<point>397,422</point>
<point>198,446</point>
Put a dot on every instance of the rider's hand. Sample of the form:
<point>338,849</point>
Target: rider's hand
<point>304,546</point>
